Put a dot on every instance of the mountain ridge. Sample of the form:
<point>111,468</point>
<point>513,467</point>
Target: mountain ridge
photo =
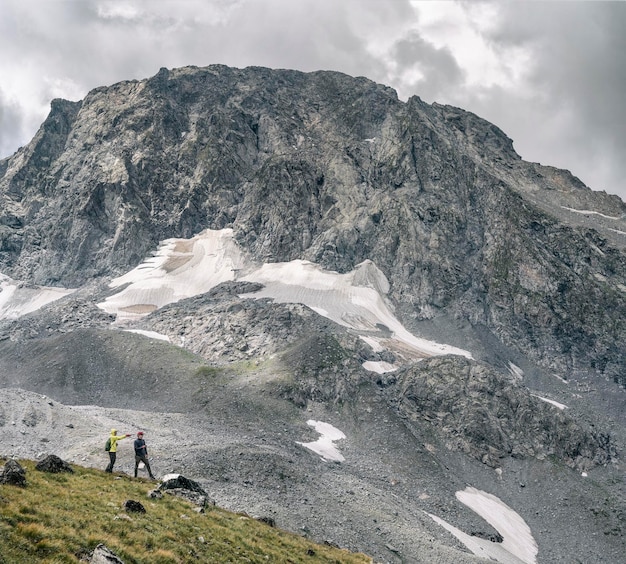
<point>517,263</point>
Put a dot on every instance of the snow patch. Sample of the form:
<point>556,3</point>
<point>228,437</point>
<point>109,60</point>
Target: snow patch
<point>324,445</point>
<point>354,300</point>
<point>518,545</point>
<point>617,231</point>
<point>18,299</point>
<point>181,268</point>
<point>516,370</point>
<point>379,367</point>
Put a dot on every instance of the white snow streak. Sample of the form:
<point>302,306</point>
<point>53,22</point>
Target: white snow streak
<point>516,370</point>
<point>324,445</point>
<point>555,403</point>
<point>591,212</point>
<point>151,334</point>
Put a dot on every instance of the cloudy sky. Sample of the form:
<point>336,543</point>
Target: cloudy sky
<point>551,75</point>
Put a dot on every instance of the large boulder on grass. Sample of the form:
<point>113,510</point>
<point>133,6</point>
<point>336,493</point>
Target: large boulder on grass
<point>132,506</point>
<point>178,485</point>
<point>54,464</point>
<point>178,481</point>
<point>13,473</point>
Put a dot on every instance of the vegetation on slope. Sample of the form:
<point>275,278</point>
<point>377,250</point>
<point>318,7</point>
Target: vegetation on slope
<point>62,517</point>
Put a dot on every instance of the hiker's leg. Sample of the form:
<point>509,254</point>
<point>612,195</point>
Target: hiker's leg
<point>111,462</point>
<point>137,459</point>
<point>145,461</point>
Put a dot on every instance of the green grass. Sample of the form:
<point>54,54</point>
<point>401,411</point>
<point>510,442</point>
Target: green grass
<point>59,518</point>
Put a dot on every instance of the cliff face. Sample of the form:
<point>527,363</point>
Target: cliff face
<point>335,170</point>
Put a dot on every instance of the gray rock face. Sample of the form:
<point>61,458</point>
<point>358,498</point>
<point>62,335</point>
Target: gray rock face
<point>490,417</point>
<point>333,169</point>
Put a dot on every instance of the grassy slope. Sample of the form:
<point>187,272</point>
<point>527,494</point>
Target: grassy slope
<point>62,517</point>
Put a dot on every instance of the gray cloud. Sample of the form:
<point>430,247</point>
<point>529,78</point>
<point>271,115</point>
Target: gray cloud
<point>440,69</point>
<point>575,117</point>
<point>11,121</point>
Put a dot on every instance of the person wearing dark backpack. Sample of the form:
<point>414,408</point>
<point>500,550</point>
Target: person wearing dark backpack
<point>112,442</point>
<point>141,454</point>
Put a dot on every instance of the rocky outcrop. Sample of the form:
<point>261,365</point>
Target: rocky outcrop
<point>490,416</point>
<point>177,481</point>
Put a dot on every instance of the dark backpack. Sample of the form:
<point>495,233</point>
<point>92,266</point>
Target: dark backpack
<point>107,445</point>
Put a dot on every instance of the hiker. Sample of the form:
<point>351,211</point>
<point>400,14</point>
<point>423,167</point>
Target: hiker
<point>141,454</point>
<point>112,444</point>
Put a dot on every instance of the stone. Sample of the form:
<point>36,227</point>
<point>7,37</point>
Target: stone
<point>178,481</point>
<point>132,506</point>
<point>493,537</point>
<point>267,520</point>
<point>102,555</point>
<point>201,500</point>
<point>12,473</point>
<point>54,464</point>
<point>490,415</point>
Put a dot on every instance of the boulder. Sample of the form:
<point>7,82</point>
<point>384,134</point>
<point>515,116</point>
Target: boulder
<point>178,485</point>
<point>54,464</point>
<point>201,500</point>
<point>267,520</point>
<point>12,473</point>
<point>102,555</point>
<point>178,481</point>
<point>133,506</point>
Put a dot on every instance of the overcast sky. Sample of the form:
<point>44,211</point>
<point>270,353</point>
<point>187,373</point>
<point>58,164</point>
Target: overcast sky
<point>551,75</point>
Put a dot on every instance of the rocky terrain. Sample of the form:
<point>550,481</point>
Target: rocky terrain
<point>516,263</point>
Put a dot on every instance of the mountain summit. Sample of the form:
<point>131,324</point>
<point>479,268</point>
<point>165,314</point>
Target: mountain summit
<point>389,272</point>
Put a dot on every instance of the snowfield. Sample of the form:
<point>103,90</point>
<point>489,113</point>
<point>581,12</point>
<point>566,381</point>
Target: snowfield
<point>183,268</point>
